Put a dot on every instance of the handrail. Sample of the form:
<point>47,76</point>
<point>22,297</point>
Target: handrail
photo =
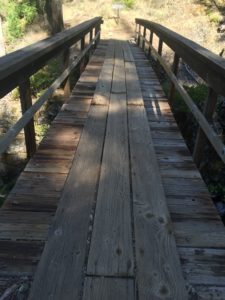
<point>210,67</point>
<point>17,67</point>
<point>206,64</point>
<point>23,63</point>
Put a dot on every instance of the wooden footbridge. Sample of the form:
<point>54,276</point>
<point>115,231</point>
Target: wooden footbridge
<point>111,204</point>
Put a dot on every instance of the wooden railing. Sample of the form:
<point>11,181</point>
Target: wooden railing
<point>17,67</point>
<point>210,67</point>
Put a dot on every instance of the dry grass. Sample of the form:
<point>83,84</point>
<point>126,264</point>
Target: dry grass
<point>195,19</point>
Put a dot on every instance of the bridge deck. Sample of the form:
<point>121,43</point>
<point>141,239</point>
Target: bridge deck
<point>133,206</point>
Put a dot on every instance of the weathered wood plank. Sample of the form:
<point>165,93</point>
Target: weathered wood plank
<point>111,245</point>
<point>60,271</point>
<point>77,106</point>
<point>108,288</point>
<point>196,221</point>
<point>134,96</point>
<point>159,272</point>
<point>207,266</point>
<point>158,268</point>
<point>103,88</point>
<point>127,53</point>
<point>118,84</point>
<point>208,292</point>
<point>30,202</point>
<point>24,225</point>
<point>17,257</point>
<point>199,233</point>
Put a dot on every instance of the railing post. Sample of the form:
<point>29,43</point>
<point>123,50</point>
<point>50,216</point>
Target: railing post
<point>136,26</point>
<point>82,43</point>
<point>160,46</point>
<point>91,35</point>
<point>29,130</point>
<point>143,42</point>
<point>139,35</point>
<point>150,41</point>
<point>201,139</point>
<point>66,59</point>
<point>175,69</point>
<point>97,29</point>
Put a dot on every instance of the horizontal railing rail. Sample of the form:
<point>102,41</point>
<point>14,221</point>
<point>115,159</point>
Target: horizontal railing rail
<point>17,67</point>
<point>209,66</point>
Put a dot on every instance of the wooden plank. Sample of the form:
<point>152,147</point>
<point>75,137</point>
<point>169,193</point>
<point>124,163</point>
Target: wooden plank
<point>19,256</point>
<point>203,266</point>
<point>159,272</point>
<point>195,218</point>
<point>177,170</point>
<point>24,225</point>
<point>45,165</point>
<point>30,202</point>
<point>183,187</point>
<point>158,267</point>
<point>50,187</point>
<point>103,88</point>
<point>127,53</point>
<point>108,288</point>
<point>199,233</point>
<point>60,271</point>
<point>118,84</point>
<point>208,292</point>
<point>111,245</point>
<point>134,96</point>
<point>77,106</point>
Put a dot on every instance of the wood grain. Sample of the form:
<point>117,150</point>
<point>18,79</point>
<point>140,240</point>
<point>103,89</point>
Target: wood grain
<point>108,289</point>
<point>111,245</point>
<point>59,273</point>
<point>118,84</point>
<point>159,273</point>
<point>103,88</point>
<point>133,85</point>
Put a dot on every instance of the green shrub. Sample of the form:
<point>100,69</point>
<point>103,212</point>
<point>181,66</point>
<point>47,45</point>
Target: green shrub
<point>19,15</point>
<point>45,76</point>
<point>129,3</point>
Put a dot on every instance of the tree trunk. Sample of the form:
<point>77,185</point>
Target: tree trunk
<point>54,15</point>
<point>2,42</point>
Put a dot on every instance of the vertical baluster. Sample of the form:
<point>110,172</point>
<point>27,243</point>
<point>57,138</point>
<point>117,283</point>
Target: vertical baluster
<point>82,43</point>
<point>151,42</point>
<point>201,139</point>
<point>139,35</point>
<point>143,41</point>
<point>160,46</point>
<point>136,32</point>
<point>91,35</point>
<point>29,130</point>
<point>66,62</point>
<point>97,29</point>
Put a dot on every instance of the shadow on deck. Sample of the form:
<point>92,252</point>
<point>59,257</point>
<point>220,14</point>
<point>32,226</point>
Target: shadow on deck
<point>118,223</point>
